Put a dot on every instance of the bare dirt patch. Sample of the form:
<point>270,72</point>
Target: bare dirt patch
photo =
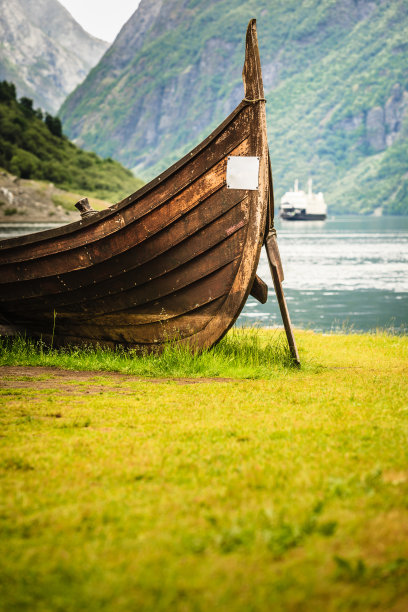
<point>72,381</point>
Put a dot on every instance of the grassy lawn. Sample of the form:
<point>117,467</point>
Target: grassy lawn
<point>280,489</point>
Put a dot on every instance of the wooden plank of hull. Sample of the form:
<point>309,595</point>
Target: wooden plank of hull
<point>131,334</point>
<point>77,285</point>
<point>91,253</point>
<point>157,333</point>
<point>204,167</point>
<point>204,267</point>
<point>193,306</point>
<point>167,271</point>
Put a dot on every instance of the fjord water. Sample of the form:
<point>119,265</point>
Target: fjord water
<point>347,273</point>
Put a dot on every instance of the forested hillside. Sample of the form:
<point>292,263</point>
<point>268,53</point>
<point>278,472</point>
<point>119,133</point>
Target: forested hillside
<point>32,146</point>
<point>335,79</point>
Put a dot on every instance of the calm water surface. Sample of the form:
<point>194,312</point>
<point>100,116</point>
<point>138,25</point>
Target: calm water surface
<point>9,230</point>
<point>346,272</point>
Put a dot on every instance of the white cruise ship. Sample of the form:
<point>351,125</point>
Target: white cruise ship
<point>297,205</point>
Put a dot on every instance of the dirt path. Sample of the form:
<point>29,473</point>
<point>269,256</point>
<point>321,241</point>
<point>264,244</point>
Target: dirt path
<point>72,381</point>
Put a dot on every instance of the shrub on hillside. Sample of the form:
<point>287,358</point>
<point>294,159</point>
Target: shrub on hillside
<point>35,149</point>
<point>27,106</point>
<point>53,171</point>
<point>54,125</point>
<point>24,164</point>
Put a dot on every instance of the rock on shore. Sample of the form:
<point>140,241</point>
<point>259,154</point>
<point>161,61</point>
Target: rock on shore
<point>28,201</point>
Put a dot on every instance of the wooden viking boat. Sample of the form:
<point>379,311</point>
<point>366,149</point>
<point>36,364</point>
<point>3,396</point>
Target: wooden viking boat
<point>174,261</point>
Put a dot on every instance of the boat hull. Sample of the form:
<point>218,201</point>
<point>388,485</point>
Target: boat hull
<point>173,262</point>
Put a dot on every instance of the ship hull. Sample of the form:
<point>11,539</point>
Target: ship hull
<point>173,262</point>
<point>302,217</point>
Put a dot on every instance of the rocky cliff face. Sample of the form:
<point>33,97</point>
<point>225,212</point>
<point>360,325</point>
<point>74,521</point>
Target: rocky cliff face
<point>384,123</point>
<point>334,75</point>
<point>44,51</point>
<point>380,126</point>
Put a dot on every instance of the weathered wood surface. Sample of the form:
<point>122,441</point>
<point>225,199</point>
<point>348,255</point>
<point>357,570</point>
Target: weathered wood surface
<point>277,277</point>
<point>85,208</point>
<point>174,261</point>
<point>275,265</point>
<point>259,290</point>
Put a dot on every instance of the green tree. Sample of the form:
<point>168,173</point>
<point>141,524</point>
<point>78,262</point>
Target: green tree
<point>24,164</point>
<point>35,149</point>
<point>27,106</point>
<point>54,125</point>
<point>7,92</point>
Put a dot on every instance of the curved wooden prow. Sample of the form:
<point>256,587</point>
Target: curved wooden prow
<point>251,73</point>
<point>254,92</point>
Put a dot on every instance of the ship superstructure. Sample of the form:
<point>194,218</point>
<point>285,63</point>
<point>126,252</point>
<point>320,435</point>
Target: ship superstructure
<point>297,205</point>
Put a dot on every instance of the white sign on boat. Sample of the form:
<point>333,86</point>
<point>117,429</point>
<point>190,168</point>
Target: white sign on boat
<point>243,173</point>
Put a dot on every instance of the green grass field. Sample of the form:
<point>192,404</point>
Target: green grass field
<point>280,489</point>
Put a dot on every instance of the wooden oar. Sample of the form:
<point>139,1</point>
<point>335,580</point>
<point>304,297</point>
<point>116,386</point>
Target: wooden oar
<point>275,265</point>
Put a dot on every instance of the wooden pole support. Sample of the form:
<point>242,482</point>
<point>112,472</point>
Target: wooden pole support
<point>275,265</point>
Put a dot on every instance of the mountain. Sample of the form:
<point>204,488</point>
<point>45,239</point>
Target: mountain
<point>44,51</point>
<point>34,147</point>
<point>334,74</point>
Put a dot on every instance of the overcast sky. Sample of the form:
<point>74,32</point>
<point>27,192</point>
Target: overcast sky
<point>101,18</point>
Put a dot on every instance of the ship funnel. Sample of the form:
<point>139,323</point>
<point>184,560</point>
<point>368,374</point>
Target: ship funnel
<point>296,185</point>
